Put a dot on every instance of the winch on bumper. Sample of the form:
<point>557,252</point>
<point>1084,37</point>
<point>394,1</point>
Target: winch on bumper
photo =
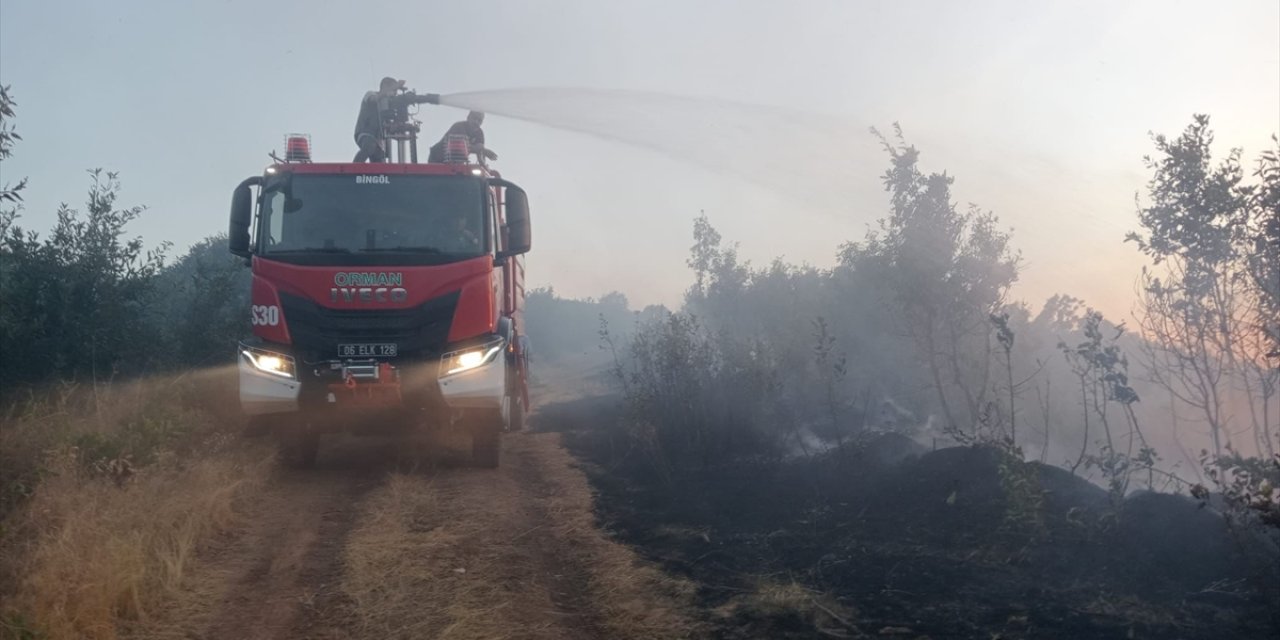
<point>470,376</point>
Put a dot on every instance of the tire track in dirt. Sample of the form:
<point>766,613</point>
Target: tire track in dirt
<point>610,590</point>
<point>466,554</point>
<point>373,545</point>
<point>566,578</point>
<point>290,560</point>
<point>285,568</point>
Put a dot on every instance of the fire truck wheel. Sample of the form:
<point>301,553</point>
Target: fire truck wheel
<point>515,407</point>
<point>299,448</point>
<point>516,423</point>
<point>486,442</point>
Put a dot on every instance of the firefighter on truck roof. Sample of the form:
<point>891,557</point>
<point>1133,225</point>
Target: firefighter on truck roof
<point>375,109</point>
<point>475,138</point>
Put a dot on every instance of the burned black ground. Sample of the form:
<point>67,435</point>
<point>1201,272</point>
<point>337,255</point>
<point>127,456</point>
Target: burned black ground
<point>900,540</point>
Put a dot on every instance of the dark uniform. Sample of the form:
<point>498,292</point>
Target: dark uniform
<point>374,110</point>
<point>369,128</point>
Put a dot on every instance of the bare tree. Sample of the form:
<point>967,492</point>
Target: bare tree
<point>1184,351</point>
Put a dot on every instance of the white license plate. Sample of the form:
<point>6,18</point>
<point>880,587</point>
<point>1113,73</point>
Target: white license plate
<point>377,349</point>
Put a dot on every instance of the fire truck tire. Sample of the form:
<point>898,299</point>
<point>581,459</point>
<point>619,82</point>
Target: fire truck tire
<point>517,421</point>
<point>486,443</point>
<point>515,406</point>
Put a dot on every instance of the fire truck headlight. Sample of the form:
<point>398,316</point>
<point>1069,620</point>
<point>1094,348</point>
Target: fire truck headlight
<point>275,364</point>
<point>467,359</point>
<point>270,363</point>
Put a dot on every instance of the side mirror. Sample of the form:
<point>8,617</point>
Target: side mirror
<point>241,216</point>
<point>519,231</point>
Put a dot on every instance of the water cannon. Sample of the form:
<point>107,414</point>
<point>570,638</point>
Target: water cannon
<point>398,105</point>
<point>426,98</point>
<point>399,125</point>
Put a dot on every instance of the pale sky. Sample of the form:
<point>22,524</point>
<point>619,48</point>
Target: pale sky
<point>1041,110</point>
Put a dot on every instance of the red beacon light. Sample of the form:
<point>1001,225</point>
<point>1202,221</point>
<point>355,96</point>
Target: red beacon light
<point>297,148</point>
<point>455,149</point>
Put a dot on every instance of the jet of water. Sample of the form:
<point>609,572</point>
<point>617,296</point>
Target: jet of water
<point>831,166</point>
<point>806,155</point>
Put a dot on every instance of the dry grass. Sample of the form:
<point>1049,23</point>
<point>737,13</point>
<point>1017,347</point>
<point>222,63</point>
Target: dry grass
<point>127,489</point>
<point>398,562</point>
<point>514,554</point>
<point>776,600</point>
<point>126,422</point>
<point>97,555</point>
<point>106,516</point>
<point>635,599</point>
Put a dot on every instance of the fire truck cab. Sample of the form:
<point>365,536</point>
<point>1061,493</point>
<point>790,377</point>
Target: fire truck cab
<point>385,296</point>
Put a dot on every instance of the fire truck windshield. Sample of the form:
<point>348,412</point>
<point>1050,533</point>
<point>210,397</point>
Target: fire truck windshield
<point>372,219</point>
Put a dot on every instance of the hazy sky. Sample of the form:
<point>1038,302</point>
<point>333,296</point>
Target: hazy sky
<point>1041,110</point>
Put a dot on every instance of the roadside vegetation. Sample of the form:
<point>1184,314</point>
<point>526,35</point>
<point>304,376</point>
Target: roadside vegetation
<point>110,494</point>
<point>792,393</point>
<point>118,451</point>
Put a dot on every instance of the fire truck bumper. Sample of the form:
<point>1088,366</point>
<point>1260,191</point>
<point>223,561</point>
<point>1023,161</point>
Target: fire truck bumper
<point>481,387</point>
<point>474,376</point>
<point>262,393</point>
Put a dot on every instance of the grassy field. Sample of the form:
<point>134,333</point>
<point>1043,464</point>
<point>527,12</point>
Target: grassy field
<point>109,493</point>
<point>141,511</point>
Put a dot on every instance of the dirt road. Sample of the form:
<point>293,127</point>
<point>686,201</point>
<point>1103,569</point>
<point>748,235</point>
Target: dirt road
<point>381,542</point>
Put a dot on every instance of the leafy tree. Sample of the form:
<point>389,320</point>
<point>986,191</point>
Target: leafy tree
<point>719,277</point>
<point>1103,372</point>
<point>562,328</point>
<point>74,299</point>
<point>1264,255</point>
<point>944,274</point>
<point>86,300</point>
<point>204,310</point>
<point>1005,335</point>
<point>1202,315</point>
<point>9,195</point>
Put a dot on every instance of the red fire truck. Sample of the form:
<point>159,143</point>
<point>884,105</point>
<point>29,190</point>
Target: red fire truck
<point>385,296</point>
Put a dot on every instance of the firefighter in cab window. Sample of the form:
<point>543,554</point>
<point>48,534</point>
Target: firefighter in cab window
<point>475,138</point>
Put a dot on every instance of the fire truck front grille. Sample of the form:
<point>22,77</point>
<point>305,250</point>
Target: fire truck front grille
<point>418,331</point>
